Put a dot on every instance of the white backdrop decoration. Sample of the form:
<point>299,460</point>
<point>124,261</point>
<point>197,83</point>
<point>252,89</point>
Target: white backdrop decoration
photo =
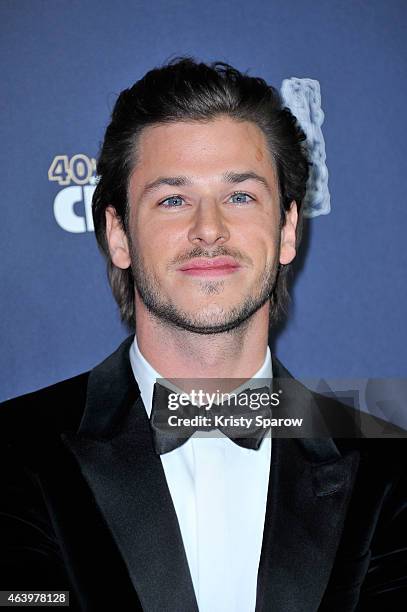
<point>303,98</point>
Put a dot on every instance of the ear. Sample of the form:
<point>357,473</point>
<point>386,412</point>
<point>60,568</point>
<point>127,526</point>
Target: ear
<point>116,239</point>
<point>288,237</point>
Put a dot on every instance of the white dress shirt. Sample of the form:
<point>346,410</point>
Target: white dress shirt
<point>219,491</point>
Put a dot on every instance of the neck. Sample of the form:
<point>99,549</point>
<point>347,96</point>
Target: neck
<point>177,353</point>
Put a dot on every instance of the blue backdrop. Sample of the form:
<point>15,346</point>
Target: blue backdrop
<point>63,63</point>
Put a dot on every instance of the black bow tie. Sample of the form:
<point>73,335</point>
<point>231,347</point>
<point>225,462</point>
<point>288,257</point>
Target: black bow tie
<point>189,418</point>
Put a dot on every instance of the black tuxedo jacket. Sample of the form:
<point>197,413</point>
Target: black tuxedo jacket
<point>85,507</point>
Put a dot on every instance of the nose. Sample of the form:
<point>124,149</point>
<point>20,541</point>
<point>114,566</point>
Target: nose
<point>209,226</point>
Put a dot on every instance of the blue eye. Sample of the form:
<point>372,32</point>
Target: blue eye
<point>240,198</point>
<point>172,202</point>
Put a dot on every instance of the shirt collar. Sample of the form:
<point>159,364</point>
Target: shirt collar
<point>146,375</point>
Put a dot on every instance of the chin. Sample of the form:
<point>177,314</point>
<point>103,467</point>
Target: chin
<point>206,312</point>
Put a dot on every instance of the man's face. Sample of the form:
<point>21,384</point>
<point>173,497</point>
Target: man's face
<point>204,238</point>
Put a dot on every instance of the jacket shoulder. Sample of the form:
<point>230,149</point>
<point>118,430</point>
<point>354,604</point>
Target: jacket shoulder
<point>380,445</point>
<point>52,409</point>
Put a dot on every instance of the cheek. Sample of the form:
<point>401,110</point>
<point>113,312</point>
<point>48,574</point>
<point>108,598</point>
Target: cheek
<point>158,244</point>
<point>145,232</point>
<point>262,239</point>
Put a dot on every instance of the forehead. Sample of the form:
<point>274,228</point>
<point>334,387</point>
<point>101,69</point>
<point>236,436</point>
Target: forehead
<point>201,150</point>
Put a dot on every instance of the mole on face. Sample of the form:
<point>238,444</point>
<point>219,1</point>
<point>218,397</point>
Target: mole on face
<point>259,154</point>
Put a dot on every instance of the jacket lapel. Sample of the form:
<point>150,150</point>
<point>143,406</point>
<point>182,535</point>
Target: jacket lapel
<point>114,451</point>
<point>309,489</point>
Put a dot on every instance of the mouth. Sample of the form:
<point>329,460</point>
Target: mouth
<point>216,266</point>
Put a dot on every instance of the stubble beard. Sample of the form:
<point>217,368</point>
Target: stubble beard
<point>148,288</point>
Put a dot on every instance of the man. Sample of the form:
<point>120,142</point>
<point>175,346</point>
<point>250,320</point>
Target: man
<point>198,211</point>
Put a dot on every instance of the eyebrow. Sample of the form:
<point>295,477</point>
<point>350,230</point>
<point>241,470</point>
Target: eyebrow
<point>173,181</point>
<point>232,178</point>
<point>239,177</point>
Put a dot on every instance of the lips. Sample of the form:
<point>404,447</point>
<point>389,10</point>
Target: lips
<point>214,266</point>
<point>215,263</point>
